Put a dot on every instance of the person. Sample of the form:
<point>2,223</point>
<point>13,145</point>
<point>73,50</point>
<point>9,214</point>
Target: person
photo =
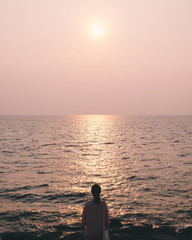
<point>95,217</point>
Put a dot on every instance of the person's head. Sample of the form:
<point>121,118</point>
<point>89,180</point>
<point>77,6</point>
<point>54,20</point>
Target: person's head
<point>96,190</point>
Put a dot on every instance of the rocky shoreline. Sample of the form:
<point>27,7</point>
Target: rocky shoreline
<point>117,232</point>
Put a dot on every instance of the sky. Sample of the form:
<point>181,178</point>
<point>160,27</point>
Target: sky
<point>65,57</point>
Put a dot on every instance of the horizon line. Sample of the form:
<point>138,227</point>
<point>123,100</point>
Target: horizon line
<point>87,114</point>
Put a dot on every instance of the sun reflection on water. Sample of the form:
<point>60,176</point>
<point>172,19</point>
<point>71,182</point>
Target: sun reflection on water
<point>97,159</point>
<point>100,160</point>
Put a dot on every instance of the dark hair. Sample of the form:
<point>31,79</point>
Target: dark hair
<point>96,190</point>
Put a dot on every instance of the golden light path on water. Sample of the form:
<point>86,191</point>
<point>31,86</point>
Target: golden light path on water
<point>99,161</point>
<point>96,160</point>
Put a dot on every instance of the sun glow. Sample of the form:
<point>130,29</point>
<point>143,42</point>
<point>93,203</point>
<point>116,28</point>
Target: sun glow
<point>97,30</point>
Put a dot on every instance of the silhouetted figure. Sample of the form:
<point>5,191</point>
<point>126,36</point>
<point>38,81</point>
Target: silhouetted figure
<point>95,215</point>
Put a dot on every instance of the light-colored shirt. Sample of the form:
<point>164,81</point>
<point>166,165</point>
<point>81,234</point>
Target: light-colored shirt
<point>93,216</point>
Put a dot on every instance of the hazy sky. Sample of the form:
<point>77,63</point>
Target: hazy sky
<point>51,62</point>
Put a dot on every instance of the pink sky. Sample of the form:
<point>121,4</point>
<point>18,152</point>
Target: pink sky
<point>140,64</point>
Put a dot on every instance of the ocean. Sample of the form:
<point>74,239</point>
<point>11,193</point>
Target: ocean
<point>49,163</point>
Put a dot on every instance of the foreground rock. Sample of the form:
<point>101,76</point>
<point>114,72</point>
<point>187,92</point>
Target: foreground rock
<point>117,232</point>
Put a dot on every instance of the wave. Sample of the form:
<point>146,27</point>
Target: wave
<point>31,197</point>
<point>108,143</point>
<point>9,152</point>
<point>48,144</point>
<point>71,196</point>
<point>72,145</point>
<point>41,172</point>
<point>135,178</point>
<point>23,188</point>
<point>10,139</point>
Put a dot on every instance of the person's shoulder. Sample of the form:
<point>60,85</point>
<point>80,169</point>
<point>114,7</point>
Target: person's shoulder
<point>87,203</point>
<point>103,202</point>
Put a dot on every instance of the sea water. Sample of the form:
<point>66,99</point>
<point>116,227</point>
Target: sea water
<point>48,164</point>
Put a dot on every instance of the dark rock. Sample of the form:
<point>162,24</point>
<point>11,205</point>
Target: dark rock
<point>63,227</point>
<point>18,236</point>
<point>115,223</point>
<point>74,236</point>
<point>142,230</point>
<point>168,230</point>
<point>185,234</point>
<point>67,228</point>
<point>50,236</point>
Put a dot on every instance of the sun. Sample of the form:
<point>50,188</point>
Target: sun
<point>97,30</point>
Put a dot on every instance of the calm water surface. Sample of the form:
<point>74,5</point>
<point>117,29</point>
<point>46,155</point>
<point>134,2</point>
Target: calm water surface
<point>48,164</point>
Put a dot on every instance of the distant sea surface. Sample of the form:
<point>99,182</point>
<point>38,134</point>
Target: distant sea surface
<point>48,164</point>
